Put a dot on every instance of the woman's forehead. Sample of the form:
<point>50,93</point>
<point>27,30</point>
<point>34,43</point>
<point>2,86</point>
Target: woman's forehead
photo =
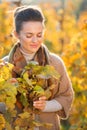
<point>32,26</point>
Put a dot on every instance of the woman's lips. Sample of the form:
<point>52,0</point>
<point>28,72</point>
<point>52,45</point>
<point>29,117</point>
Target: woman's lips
<point>34,46</point>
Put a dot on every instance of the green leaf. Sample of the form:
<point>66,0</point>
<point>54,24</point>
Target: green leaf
<point>48,72</point>
<point>36,92</point>
<point>26,78</point>
<point>25,115</point>
<point>24,99</point>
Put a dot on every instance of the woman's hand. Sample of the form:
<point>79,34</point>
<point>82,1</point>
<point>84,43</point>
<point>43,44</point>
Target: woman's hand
<point>40,104</point>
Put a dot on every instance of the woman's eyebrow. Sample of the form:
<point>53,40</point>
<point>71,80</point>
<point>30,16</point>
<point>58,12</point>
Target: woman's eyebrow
<point>33,33</point>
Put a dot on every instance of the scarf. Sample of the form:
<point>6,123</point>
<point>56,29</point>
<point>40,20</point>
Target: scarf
<point>18,60</point>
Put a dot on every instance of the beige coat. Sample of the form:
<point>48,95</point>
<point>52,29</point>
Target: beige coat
<point>63,91</point>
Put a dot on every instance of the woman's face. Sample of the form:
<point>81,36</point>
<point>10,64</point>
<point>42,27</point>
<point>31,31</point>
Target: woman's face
<point>31,36</point>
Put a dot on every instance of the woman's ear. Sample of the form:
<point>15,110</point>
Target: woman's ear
<point>16,34</point>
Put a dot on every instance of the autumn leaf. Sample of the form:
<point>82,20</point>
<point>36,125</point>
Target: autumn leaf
<point>2,122</point>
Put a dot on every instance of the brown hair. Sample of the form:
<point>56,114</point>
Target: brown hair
<point>27,13</point>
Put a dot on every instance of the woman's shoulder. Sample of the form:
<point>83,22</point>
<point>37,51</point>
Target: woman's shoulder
<point>57,62</point>
<point>54,58</point>
<point>6,58</point>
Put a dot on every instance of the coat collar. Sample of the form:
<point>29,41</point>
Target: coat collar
<point>16,57</point>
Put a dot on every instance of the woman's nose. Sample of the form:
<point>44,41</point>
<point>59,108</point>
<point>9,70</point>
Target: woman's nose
<point>34,39</point>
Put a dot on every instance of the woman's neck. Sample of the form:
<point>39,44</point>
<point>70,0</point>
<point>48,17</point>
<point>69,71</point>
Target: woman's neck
<point>28,56</point>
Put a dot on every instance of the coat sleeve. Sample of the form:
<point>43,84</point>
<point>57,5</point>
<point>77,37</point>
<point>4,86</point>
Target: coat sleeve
<point>2,107</point>
<point>65,93</point>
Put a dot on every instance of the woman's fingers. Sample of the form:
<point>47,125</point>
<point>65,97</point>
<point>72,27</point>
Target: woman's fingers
<point>40,104</point>
<point>42,98</point>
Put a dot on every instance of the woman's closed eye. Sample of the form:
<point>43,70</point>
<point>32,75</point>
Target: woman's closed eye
<point>39,35</point>
<point>29,36</point>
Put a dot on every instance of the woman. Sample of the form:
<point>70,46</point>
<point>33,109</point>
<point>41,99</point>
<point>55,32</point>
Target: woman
<point>29,29</point>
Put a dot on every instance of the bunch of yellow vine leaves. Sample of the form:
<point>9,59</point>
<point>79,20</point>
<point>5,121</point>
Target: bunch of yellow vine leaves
<point>19,93</point>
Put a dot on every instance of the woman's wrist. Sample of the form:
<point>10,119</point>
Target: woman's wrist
<point>52,106</point>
